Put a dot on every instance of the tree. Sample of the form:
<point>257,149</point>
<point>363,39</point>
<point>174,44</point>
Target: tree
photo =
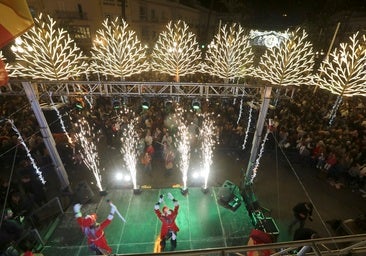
<point>343,72</point>
<point>229,55</point>
<point>176,52</point>
<point>290,63</point>
<point>117,51</point>
<point>47,52</point>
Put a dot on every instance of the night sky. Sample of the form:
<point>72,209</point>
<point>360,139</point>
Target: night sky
<point>285,13</point>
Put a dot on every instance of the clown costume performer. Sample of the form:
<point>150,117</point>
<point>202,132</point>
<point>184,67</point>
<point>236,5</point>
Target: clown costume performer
<point>167,217</point>
<point>95,231</point>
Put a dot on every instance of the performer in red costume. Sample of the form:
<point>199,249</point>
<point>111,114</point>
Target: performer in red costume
<point>167,217</point>
<point>95,231</point>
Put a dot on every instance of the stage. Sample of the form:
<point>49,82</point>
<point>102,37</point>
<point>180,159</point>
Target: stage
<point>203,222</point>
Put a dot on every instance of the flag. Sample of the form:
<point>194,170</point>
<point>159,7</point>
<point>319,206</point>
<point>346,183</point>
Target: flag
<point>3,74</point>
<point>15,19</point>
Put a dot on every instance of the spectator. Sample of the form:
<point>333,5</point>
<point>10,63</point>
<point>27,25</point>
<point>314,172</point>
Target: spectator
<point>301,211</point>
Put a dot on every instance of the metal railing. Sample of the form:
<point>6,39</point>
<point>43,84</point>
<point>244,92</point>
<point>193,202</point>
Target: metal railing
<point>342,245</point>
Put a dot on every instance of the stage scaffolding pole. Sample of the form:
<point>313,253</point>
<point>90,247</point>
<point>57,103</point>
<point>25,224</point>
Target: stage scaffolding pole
<point>246,183</point>
<point>47,136</point>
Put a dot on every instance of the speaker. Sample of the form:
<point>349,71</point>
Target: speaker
<point>229,196</point>
<point>83,192</point>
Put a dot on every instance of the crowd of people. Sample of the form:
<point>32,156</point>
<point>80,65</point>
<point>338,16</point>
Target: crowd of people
<point>300,124</point>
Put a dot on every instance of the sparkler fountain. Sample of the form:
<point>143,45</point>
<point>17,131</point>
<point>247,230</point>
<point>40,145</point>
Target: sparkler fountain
<point>184,148</point>
<point>207,133</point>
<point>129,151</point>
<point>89,151</point>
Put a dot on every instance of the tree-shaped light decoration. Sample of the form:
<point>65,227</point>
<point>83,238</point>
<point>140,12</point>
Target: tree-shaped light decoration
<point>183,146</point>
<point>291,63</point>
<point>117,51</point>
<point>176,52</point>
<point>47,52</point>
<point>343,73</point>
<point>229,55</point>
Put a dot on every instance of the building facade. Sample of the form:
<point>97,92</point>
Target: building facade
<point>146,17</point>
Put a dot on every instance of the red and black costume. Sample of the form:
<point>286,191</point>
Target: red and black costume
<point>167,217</point>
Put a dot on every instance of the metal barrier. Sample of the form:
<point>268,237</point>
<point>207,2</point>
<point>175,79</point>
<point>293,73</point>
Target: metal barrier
<point>43,217</point>
<point>342,245</point>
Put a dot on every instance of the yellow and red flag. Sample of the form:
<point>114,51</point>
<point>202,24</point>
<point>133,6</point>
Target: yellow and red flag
<point>15,19</point>
<point>3,74</point>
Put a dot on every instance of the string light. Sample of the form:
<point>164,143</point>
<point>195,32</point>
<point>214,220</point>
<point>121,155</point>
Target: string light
<point>255,169</point>
<point>53,105</point>
<point>248,126</point>
<point>33,162</point>
<point>240,110</point>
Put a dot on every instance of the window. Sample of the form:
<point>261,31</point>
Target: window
<point>143,13</point>
<point>81,32</point>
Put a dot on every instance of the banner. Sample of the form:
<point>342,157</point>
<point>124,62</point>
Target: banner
<point>15,19</point>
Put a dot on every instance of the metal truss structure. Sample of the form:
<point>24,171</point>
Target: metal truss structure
<point>143,89</point>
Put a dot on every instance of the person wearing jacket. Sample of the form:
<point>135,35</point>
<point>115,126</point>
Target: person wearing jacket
<point>95,231</point>
<point>169,228</point>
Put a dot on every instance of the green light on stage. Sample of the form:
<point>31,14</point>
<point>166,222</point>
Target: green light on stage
<point>79,105</point>
<point>145,105</point>
<point>196,105</point>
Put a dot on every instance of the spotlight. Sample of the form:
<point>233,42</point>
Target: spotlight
<point>145,104</point>
<point>79,104</point>
<point>119,176</point>
<point>116,103</point>
<point>184,191</point>
<point>168,103</point>
<point>205,190</point>
<point>196,104</point>
<point>137,191</point>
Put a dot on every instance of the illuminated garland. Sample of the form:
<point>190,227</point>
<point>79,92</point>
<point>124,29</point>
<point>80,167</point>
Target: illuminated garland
<point>335,108</point>
<point>21,140</point>
<point>255,169</point>
<point>53,105</point>
<point>240,110</point>
<point>248,127</point>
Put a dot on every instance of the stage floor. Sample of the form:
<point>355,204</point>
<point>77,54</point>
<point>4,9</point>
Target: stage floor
<point>203,222</point>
